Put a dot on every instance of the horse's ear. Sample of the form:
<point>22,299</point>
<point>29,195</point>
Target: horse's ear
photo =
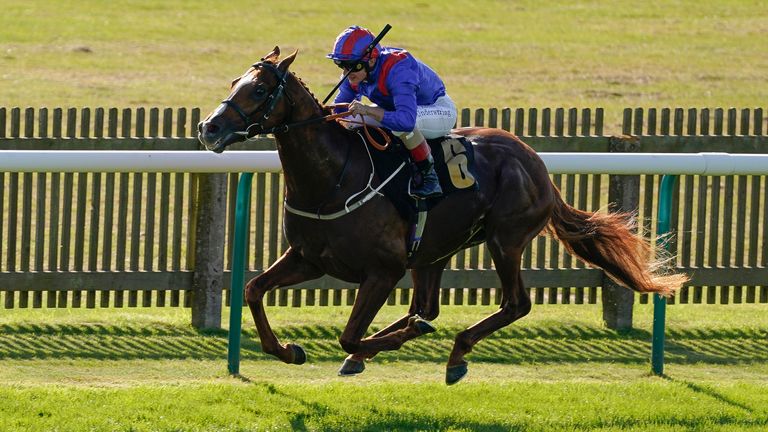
<point>286,62</point>
<point>273,56</point>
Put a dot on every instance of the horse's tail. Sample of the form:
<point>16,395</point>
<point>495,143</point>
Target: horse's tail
<point>607,240</point>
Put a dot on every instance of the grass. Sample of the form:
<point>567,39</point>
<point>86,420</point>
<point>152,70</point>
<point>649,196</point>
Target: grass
<point>647,404</point>
<point>558,369</point>
<point>492,54</point>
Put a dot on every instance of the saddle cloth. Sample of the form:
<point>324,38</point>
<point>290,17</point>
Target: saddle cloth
<point>454,163</point>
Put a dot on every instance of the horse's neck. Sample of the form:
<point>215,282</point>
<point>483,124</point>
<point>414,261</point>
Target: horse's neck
<point>313,160</point>
<point>313,156</point>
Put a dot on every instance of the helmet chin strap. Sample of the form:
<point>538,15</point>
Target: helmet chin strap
<point>368,67</point>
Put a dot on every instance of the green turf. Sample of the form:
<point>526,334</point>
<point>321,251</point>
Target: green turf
<point>701,53</point>
<point>557,369</point>
<point>644,404</point>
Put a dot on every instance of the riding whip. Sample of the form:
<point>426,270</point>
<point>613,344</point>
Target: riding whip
<point>368,50</point>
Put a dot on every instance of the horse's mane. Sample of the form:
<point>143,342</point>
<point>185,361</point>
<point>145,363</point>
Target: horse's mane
<point>326,110</point>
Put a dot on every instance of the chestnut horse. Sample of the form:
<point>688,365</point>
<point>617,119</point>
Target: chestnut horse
<point>324,164</point>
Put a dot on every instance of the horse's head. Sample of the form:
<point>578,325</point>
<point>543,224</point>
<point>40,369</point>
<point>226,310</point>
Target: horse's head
<point>257,102</point>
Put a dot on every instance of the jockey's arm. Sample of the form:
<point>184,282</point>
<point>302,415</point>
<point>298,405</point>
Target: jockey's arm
<point>402,87</point>
<point>403,118</point>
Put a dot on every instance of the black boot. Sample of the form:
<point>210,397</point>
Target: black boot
<point>424,183</point>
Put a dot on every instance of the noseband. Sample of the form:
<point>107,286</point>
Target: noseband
<point>256,127</point>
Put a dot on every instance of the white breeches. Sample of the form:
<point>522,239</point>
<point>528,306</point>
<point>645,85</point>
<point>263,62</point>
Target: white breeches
<point>433,121</point>
<point>438,119</point>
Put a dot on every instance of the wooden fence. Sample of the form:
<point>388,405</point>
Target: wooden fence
<point>101,239</point>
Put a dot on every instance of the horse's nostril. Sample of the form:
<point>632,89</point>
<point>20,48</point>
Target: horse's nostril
<point>211,128</point>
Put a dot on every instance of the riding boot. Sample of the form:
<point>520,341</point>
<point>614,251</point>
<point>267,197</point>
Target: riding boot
<point>425,183</point>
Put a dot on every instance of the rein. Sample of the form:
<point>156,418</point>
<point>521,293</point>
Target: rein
<point>374,143</point>
<point>250,132</point>
<point>339,117</point>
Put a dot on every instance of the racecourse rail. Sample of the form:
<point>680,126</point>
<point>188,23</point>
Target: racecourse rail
<point>669,165</point>
<point>268,161</point>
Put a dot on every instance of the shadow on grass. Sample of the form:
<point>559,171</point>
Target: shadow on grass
<point>373,414</point>
<point>376,418</point>
<point>514,345</point>
<point>392,420</point>
<point>704,390</point>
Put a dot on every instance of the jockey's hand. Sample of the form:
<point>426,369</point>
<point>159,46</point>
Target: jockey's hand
<point>358,108</point>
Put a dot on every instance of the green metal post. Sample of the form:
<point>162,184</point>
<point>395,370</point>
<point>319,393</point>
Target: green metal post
<point>242,214</point>
<point>660,302</point>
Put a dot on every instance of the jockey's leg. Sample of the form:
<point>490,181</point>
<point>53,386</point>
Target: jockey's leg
<point>424,183</point>
<point>436,120</point>
<point>432,121</point>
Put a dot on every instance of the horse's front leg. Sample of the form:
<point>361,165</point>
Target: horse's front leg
<point>290,269</point>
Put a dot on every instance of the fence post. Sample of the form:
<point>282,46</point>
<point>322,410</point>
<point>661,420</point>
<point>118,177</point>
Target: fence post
<point>623,196</point>
<point>660,302</point>
<point>242,216</point>
<point>207,281</point>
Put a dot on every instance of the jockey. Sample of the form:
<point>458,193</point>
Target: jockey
<point>409,99</point>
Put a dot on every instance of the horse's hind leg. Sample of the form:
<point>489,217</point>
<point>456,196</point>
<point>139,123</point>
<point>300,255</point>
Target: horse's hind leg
<point>373,292</point>
<point>515,304</point>
<point>425,306</point>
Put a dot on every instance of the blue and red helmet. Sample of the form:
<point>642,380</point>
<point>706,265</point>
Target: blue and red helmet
<point>351,44</point>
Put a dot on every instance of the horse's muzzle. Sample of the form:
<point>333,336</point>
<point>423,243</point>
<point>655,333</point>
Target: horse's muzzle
<point>215,137</point>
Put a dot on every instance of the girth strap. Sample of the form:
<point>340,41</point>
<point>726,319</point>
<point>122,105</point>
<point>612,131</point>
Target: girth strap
<point>347,208</point>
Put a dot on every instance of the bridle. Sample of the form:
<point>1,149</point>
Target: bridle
<point>256,127</point>
<point>253,128</point>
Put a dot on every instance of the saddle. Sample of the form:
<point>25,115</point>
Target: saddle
<point>454,158</point>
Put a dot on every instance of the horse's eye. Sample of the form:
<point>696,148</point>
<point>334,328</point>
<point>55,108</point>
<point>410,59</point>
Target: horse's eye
<point>259,92</point>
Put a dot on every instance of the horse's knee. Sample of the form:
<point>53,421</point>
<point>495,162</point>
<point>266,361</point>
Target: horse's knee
<point>252,292</point>
<point>350,346</point>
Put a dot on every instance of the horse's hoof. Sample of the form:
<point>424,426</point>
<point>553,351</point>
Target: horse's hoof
<point>351,367</point>
<point>424,327</point>
<point>299,355</point>
<point>454,374</point>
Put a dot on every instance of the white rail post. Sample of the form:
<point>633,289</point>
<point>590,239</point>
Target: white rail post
<point>208,279</point>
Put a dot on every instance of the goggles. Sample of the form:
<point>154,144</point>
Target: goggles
<point>353,65</point>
